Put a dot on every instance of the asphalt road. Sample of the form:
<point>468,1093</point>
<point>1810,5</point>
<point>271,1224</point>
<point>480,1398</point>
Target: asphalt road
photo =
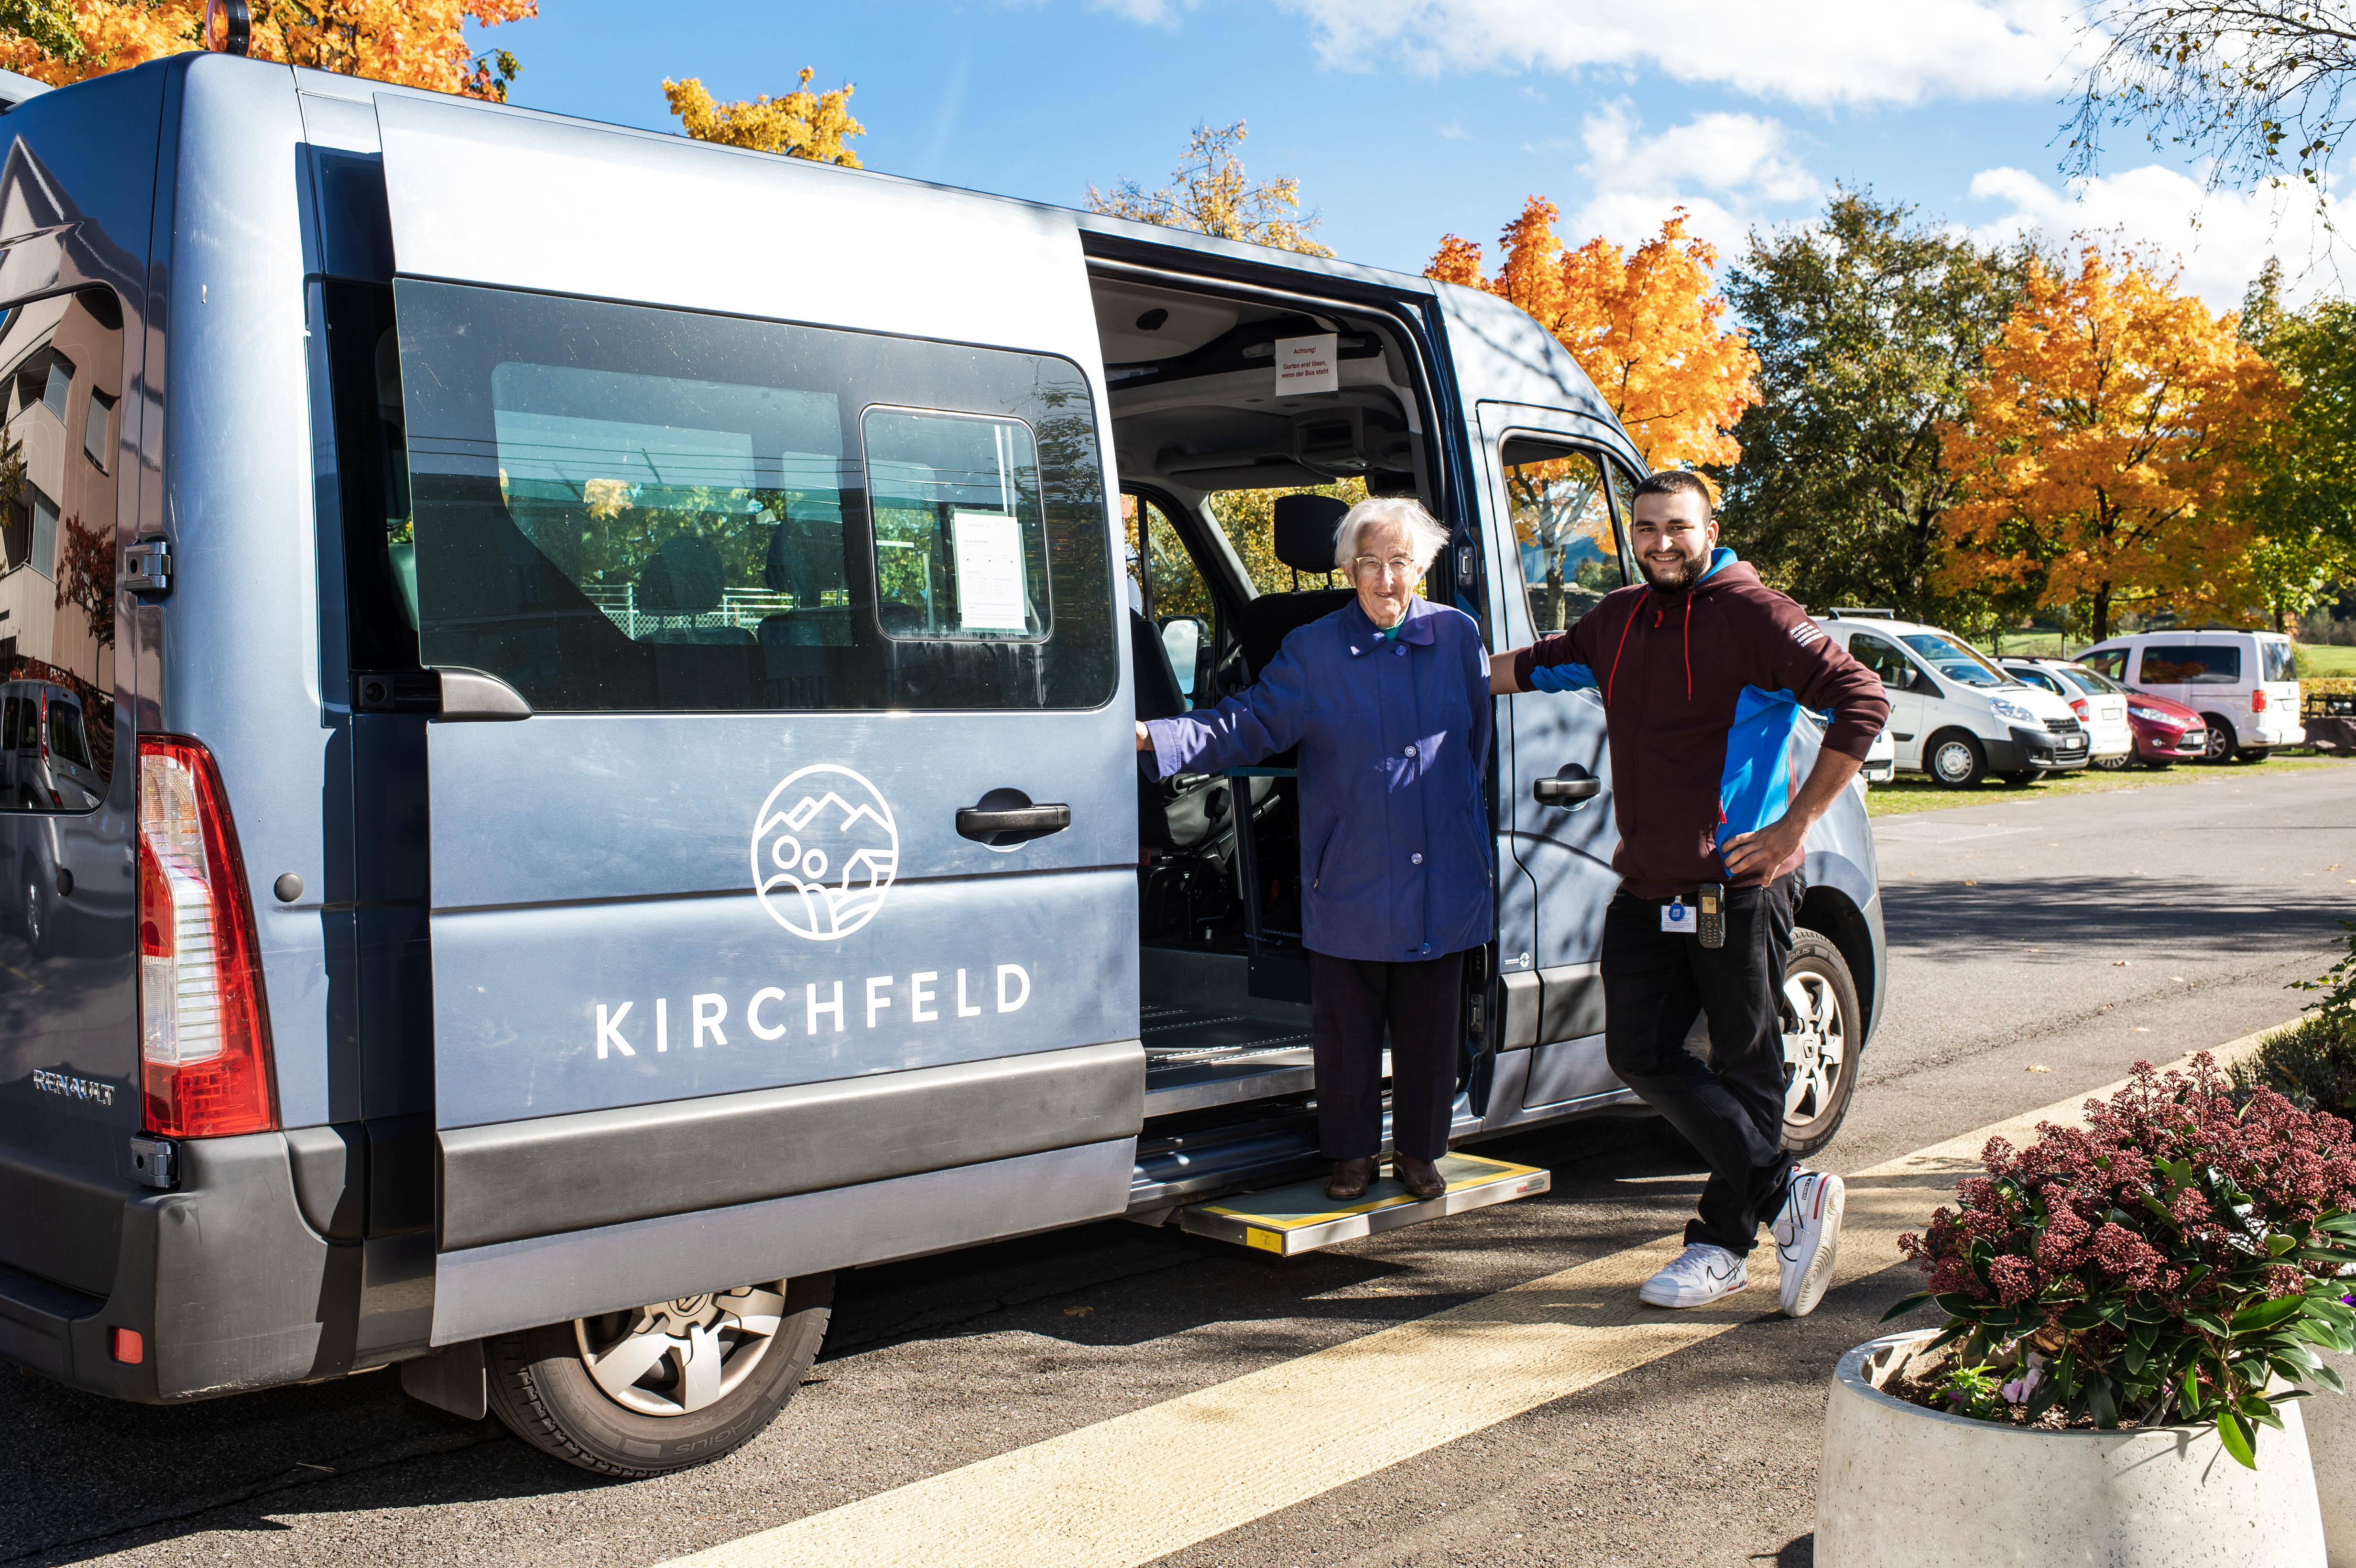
<point>2038,949</point>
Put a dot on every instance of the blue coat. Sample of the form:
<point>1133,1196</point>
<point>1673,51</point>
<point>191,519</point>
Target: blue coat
<point>1396,858</point>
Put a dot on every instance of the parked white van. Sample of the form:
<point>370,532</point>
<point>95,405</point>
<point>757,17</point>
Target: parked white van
<point>1953,714</point>
<point>2243,683</point>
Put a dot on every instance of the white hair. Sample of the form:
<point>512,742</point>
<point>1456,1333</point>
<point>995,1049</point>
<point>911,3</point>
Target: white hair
<point>1423,530</point>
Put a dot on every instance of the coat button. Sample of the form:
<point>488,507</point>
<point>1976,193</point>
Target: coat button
<point>1416,859</point>
<point>1410,752</point>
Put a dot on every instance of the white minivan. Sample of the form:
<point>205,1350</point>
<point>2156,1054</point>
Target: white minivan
<point>2243,683</point>
<point>1953,714</point>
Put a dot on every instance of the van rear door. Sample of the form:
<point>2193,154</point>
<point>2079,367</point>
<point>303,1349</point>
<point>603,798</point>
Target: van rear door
<point>783,815</point>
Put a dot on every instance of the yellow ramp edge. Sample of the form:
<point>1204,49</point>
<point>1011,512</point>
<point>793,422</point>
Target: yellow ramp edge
<point>1288,1221</point>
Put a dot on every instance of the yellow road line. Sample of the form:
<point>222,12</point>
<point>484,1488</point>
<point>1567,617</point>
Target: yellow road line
<point>1141,1486</point>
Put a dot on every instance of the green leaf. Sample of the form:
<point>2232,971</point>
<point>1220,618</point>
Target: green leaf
<point>1919,1298</point>
<point>1955,1304</point>
<point>2279,1244</point>
<point>2189,1405</point>
<point>2235,1435</point>
<point>2261,1315</point>
<point>2204,1320</point>
<point>2100,1404</point>
<point>2324,1374</point>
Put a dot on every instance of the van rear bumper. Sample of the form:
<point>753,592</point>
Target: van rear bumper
<point>226,1285</point>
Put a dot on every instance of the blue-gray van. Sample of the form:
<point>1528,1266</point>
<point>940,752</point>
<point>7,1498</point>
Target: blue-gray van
<point>601,671</point>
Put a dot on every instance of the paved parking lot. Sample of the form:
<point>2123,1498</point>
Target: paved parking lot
<point>2038,947</point>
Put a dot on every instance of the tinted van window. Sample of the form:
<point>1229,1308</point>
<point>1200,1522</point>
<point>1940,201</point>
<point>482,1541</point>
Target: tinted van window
<point>2280,665</point>
<point>2191,665</point>
<point>620,508</point>
<point>61,368</point>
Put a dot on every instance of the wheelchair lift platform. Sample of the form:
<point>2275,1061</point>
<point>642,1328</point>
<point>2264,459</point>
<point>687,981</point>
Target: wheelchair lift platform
<point>1288,1221</point>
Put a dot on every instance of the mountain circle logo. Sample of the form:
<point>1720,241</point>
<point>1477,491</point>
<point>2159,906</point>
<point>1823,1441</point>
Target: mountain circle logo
<point>824,849</point>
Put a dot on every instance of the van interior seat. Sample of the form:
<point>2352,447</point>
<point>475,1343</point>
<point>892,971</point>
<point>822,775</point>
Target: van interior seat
<point>1304,541</point>
<point>1158,695</point>
<point>683,580</point>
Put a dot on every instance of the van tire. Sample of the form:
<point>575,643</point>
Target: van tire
<point>2255,753</point>
<point>1955,758</point>
<point>543,1390</point>
<point>2223,746</point>
<point>1820,975</point>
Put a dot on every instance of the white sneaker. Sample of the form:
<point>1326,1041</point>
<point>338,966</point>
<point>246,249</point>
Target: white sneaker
<point>1702,1274</point>
<point>1807,1238</point>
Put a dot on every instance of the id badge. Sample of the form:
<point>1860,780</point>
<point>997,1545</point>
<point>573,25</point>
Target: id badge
<point>1676,917</point>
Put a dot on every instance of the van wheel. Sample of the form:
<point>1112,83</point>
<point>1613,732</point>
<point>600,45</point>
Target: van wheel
<point>1822,1024</point>
<point>663,1387</point>
<point>1956,760</point>
<point>2255,753</point>
<point>2223,747</point>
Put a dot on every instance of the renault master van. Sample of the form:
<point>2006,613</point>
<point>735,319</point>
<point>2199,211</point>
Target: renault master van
<point>619,799</point>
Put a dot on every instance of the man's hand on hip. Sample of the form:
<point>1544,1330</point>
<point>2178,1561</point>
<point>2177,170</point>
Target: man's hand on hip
<point>1753,857</point>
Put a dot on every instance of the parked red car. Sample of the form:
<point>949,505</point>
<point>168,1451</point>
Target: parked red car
<point>2164,732</point>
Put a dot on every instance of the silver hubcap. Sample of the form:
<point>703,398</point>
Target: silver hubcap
<point>1815,1045</point>
<point>1952,760</point>
<point>678,1357</point>
<point>2214,744</point>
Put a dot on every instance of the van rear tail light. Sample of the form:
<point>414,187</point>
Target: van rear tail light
<point>2085,714</point>
<point>204,1032</point>
<point>2258,701</point>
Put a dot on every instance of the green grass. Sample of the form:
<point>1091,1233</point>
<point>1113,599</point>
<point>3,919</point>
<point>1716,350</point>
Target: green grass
<point>1915,791</point>
<point>2321,659</point>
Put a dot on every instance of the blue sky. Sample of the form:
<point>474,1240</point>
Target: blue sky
<point>1408,119</point>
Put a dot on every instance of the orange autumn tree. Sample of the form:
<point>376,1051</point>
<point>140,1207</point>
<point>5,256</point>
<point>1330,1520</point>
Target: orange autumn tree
<point>800,123</point>
<point>2101,456</point>
<point>417,43</point>
<point>1648,328</point>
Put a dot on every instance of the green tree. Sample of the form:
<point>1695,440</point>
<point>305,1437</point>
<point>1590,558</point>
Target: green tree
<point>2302,515</point>
<point>1869,324</point>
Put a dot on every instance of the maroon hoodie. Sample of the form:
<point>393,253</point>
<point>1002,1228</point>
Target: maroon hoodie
<point>1669,666</point>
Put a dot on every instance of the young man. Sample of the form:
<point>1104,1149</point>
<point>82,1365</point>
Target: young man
<point>1669,657</point>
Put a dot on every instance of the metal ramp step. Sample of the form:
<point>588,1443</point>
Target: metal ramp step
<point>1288,1221</point>
<point>1198,1057</point>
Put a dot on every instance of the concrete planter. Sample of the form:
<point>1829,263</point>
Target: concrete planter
<point>1902,1484</point>
<point>2331,1442</point>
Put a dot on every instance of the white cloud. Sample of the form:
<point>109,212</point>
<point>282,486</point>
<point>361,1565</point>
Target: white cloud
<point>1721,168</point>
<point>1145,13</point>
<point>1819,53</point>
<point>2220,239</point>
<point>1455,132</point>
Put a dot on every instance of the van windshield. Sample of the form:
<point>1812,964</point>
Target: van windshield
<point>1954,660</point>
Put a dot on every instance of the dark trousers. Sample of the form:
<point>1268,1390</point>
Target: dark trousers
<point>1730,1108</point>
<point>1422,1002</point>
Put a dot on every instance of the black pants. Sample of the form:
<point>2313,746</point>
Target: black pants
<point>1353,999</point>
<point>1730,1108</point>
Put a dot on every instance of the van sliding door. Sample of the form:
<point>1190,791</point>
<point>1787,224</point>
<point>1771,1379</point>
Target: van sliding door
<point>784,824</point>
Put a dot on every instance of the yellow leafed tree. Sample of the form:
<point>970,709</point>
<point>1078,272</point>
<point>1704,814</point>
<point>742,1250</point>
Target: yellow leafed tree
<point>1647,326</point>
<point>417,43</point>
<point>2102,454</point>
<point>800,125</point>
<point>1210,194</point>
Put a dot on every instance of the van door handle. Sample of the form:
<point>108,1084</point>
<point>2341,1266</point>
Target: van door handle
<point>1005,817</point>
<point>1571,788</point>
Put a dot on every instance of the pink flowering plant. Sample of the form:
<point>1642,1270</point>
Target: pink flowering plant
<point>2161,1264</point>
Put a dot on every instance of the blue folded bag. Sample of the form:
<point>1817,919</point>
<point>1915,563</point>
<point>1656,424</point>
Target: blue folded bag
<point>1769,750</point>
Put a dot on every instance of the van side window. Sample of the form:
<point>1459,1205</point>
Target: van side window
<point>57,561</point>
<point>2112,661</point>
<point>2281,665</point>
<point>1562,528</point>
<point>1883,658</point>
<point>2191,664</point>
<point>623,508</point>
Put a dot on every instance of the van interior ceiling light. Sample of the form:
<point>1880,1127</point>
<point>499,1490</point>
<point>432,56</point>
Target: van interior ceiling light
<point>204,1034</point>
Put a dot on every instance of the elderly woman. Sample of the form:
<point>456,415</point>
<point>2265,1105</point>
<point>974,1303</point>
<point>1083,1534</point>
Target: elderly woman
<point>1387,699</point>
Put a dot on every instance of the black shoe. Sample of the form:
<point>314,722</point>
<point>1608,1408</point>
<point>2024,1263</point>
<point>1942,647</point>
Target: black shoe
<point>1421,1178</point>
<point>1350,1179</point>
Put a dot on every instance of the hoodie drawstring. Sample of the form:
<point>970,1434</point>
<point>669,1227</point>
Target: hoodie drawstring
<point>1689,645</point>
<point>1614,674</point>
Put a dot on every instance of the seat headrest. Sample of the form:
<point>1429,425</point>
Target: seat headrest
<point>1304,530</point>
<point>684,579</point>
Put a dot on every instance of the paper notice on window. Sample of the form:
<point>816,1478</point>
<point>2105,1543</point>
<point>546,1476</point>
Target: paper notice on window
<point>989,546</point>
<point>1307,365</point>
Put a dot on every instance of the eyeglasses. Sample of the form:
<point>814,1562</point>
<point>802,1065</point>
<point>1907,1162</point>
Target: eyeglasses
<point>1396,566</point>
